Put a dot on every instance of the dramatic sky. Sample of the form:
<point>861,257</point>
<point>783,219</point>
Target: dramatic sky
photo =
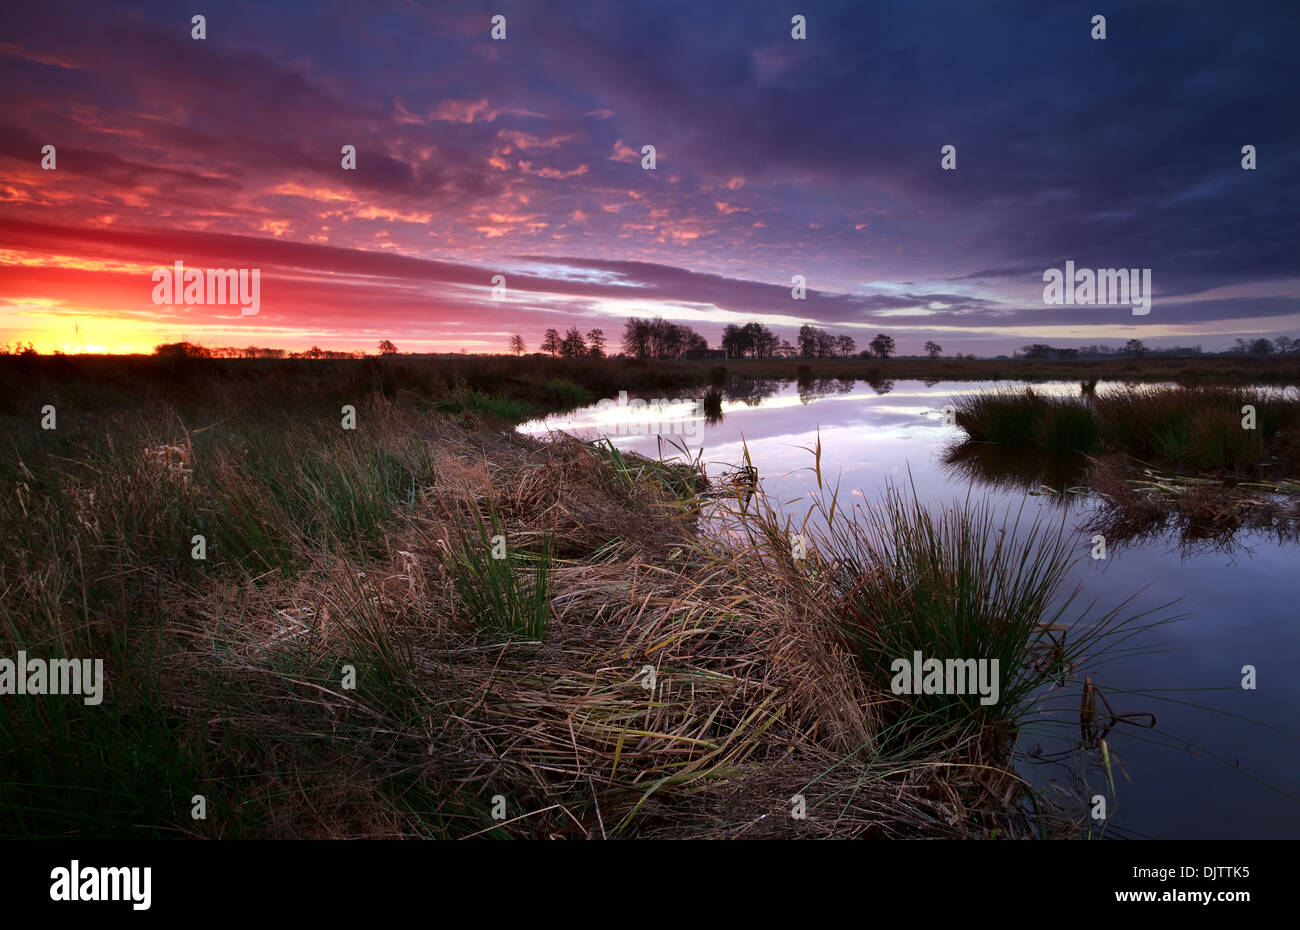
<point>775,157</point>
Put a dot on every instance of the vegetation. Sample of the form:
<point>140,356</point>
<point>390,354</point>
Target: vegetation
<point>753,340</point>
<point>659,339</point>
<point>1203,429</point>
<point>882,346</point>
<point>1203,462</point>
<point>503,593</point>
<point>817,343</point>
<point>1139,504</point>
<point>397,622</point>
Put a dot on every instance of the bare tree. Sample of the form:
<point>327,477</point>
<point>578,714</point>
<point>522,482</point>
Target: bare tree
<point>882,346</point>
<point>636,337</point>
<point>573,344</point>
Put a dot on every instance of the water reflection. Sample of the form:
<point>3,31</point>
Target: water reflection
<point>751,391</point>
<point>1203,521</point>
<point>713,407</point>
<point>1059,479</point>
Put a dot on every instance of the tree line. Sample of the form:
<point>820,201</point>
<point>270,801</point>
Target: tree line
<point>661,339</point>
<point>1136,348</point>
<point>193,350</point>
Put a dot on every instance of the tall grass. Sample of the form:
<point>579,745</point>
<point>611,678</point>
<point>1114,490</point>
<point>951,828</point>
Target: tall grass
<point>680,480</point>
<point>503,592</point>
<point>1191,428</point>
<point>1007,417</point>
<point>962,584</point>
<point>478,402</point>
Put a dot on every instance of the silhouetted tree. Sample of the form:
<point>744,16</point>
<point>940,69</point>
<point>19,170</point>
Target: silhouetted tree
<point>882,346</point>
<point>169,350</point>
<point>573,345</point>
<point>658,338</point>
<point>636,337</point>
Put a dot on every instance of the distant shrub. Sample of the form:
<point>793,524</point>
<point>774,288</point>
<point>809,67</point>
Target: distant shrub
<point>565,393</point>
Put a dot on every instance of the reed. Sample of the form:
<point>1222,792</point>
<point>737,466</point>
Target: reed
<point>1193,428</point>
<point>965,583</point>
<point>503,592</point>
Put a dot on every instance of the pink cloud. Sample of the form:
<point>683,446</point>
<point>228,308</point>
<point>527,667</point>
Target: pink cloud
<point>624,153</point>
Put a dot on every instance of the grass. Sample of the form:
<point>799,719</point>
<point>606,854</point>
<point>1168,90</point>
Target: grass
<point>469,403</point>
<point>351,661</point>
<point>1008,418</point>
<point>1203,514</point>
<point>1157,459</point>
<point>503,592</point>
<point>565,393</point>
<point>894,578</point>
<point>679,482</point>
<point>1200,429</point>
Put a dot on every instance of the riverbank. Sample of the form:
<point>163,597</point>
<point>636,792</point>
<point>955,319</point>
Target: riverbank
<point>537,384</point>
<point>429,626</point>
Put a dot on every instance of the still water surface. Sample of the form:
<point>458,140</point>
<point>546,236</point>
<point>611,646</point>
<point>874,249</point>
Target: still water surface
<point>1239,606</point>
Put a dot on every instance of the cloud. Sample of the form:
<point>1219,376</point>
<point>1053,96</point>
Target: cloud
<point>623,152</point>
<point>817,157</point>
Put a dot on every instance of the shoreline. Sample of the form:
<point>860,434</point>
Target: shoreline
<point>351,659</point>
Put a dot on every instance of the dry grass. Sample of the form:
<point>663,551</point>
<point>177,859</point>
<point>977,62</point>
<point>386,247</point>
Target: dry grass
<point>1140,504</point>
<point>333,554</point>
<point>756,696</point>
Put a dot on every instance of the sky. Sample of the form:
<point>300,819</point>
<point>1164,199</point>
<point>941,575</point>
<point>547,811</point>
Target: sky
<point>775,157</point>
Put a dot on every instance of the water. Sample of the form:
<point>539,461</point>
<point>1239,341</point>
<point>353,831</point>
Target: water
<point>1240,605</point>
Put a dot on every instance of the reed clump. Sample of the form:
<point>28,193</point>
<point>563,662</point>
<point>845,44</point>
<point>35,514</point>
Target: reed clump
<point>892,579</point>
<point>1222,430</point>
